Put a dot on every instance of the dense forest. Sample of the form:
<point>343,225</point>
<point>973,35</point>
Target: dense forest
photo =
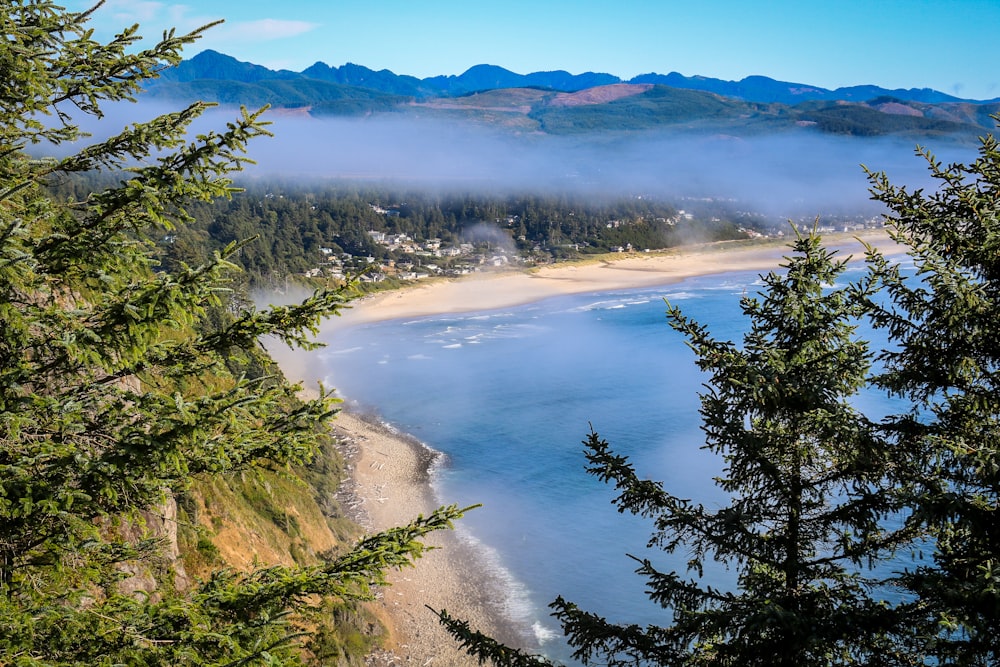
<point>290,230</point>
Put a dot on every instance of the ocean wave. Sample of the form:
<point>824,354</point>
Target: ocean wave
<point>451,321</point>
<point>327,353</point>
<point>598,305</point>
<point>514,331</point>
<point>543,634</point>
<point>489,316</point>
<point>477,333</point>
<point>511,596</point>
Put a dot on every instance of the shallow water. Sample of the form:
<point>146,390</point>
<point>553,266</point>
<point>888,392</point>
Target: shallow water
<point>508,395</point>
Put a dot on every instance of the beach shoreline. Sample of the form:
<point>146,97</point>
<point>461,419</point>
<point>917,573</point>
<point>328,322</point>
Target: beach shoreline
<point>391,473</point>
<point>390,486</point>
<point>515,287</point>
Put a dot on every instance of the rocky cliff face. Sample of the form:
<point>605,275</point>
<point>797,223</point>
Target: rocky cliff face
<point>159,523</point>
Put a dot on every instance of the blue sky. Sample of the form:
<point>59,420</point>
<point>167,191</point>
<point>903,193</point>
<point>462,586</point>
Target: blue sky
<point>949,45</point>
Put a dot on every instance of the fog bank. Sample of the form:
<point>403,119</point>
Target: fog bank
<point>799,172</point>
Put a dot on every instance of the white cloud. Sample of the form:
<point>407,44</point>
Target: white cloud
<point>127,12</point>
<point>266,29</point>
<point>153,17</point>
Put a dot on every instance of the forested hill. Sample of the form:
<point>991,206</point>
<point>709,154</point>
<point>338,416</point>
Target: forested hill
<point>333,230</point>
<point>214,65</point>
<point>563,103</point>
<point>394,235</point>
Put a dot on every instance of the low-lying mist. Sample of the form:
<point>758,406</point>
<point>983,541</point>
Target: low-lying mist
<point>795,173</point>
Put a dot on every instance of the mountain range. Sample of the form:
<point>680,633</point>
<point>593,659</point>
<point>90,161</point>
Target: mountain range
<point>562,103</point>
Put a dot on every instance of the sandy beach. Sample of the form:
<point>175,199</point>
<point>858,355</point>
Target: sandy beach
<point>390,472</point>
<point>507,288</point>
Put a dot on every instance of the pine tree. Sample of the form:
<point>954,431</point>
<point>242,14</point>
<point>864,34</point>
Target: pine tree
<point>113,392</point>
<point>944,320</point>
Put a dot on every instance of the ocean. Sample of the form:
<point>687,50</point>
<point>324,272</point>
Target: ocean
<point>508,395</point>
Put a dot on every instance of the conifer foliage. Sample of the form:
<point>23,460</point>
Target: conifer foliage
<point>946,366</point>
<point>113,392</point>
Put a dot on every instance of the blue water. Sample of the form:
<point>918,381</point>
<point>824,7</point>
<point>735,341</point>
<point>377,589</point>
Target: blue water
<point>508,395</point>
